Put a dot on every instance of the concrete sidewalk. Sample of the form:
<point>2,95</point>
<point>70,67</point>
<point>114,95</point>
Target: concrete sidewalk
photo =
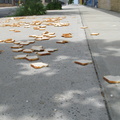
<point>62,91</point>
<point>105,50</point>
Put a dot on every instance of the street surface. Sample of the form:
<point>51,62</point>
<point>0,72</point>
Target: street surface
<point>64,90</point>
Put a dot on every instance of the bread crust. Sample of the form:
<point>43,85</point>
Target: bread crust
<point>110,81</point>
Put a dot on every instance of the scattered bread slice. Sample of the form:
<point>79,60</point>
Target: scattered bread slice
<point>17,42</point>
<point>45,38</point>
<point>31,41</point>
<point>39,65</point>
<point>32,36</point>
<point>1,41</point>
<point>83,62</point>
<point>94,34</point>
<point>37,48</point>
<point>1,51</point>
<point>43,53</point>
<point>20,56</point>
<point>51,49</point>
<point>17,46</point>
<point>32,58</point>
<point>83,27</point>
<point>62,42</point>
<point>67,35</point>
<point>17,50</point>
<point>112,79</point>
<point>24,43</point>
<point>9,41</point>
<point>28,51</point>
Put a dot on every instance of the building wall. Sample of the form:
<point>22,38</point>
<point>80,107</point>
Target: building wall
<point>104,4</point>
<point>115,5</point>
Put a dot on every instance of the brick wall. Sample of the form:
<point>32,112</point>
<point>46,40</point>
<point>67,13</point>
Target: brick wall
<point>115,5</point>
<point>104,4</point>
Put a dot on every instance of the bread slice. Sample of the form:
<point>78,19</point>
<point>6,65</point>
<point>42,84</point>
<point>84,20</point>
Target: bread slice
<point>83,27</point>
<point>27,51</point>
<point>9,41</point>
<point>1,41</point>
<point>51,49</point>
<point>17,31</point>
<point>37,48</point>
<point>32,58</point>
<point>1,51</point>
<point>112,79</point>
<point>94,34</point>
<point>24,43</point>
<point>39,65</point>
<point>17,42</point>
<point>45,38</point>
<point>20,56</point>
<point>43,53</point>
<point>83,62</point>
<point>18,50</point>
<point>62,42</point>
<point>17,46</point>
<point>67,35</point>
<point>31,41</point>
<point>32,36</point>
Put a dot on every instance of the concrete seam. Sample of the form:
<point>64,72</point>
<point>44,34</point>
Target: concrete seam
<point>95,68</point>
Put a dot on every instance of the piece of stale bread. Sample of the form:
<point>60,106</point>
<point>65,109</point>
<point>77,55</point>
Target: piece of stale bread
<point>32,58</point>
<point>43,53</point>
<point>51,49</point>
<point>45,38</point>
<point>62,42</point>
<point>83,27</point>
<point>39,65</point>
<point>1,51</point>
<point>83,62</point>
<point>38,39</point>
<point>1,41</point>
<point>28,51</point>
<point>17,46</point>
<point>31,41</point>
<point>37,48</point>
<point>94,34</point>
<point>32,36</point>
<point>17,42</point>
<point>20,56</point>
<point>112,79</point>
<point>17,31</point>
<point>17,50</point>
<point>11,29</point>
<point>9,41</point>
<point>24,43</point>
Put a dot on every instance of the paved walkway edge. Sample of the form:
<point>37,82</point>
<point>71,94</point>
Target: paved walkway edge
<point>98,71</point>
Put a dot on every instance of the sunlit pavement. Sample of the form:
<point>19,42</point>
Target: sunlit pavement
<point>62,91</point>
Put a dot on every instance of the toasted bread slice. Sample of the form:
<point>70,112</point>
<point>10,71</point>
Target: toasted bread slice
<point>38,39</point>
<point>9,41</point>
<point>67,35</point>
<point>17,46</point>
<point>39,65</point>
<point>17,31</point>
<point>62,42</point>
<point>20,56</point>
<point>32,58</point>
<point>28,51</point>
<point>1,51</point>
<point>83,62</point>
<point>24,43</point>
<point>31,41</point>
<point>112,79</point>
<point>17,42</point>
<point>17,50</point>
<point>94,34</point>
<point>37,48</point>
<point>83,27</point>
<point>43,53</point>
<point>51,49</point>
<point>1,41</point>
<point>32,36</point>
<point>45,38</point>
